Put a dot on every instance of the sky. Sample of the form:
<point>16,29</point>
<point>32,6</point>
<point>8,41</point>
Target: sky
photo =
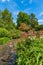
<point>27,6</point>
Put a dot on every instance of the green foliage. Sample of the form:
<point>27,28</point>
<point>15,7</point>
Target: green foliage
<point>7,16</point>
<point>4,32</point>
<point>33,21</point>
<point>23,18</point>
<point>30,52</point>
<point>40,27</point>
<point>4,40</point>
<point>15,33</point>
<point>2,23</point>
<point>6,20</point>
<point>29,20</point>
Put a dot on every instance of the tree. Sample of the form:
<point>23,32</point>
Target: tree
<point>2,23</point>
<point>7,16</point>
<point>34,21</point>
<point>23,18</point>
<point>6,19</point>
<point>0,14</point>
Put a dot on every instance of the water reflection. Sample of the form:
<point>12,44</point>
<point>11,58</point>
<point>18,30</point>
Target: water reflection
<point>12,59</point>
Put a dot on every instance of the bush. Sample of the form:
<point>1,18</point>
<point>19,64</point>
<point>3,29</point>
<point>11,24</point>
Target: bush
<point>30,52</point>
<point>15,33</point>
<point>4,40</point>
<point>23,27</point>
<point>4,32</point>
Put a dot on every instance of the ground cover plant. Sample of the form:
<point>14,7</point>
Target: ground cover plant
<point>30,52</point>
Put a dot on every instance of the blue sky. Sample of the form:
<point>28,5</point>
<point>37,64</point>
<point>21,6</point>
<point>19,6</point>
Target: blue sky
<point>28,6</point>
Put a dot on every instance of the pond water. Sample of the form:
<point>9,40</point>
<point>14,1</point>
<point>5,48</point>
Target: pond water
<point>9,57</point>
<point>12,59</point>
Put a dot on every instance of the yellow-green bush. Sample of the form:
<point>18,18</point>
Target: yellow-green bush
<point>15,33</point>
<point>4,32</point>
<point>4,40</point>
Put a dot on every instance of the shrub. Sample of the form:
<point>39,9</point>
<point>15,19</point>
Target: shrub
<point>30,52</point>
<point>15,33</point>
<point>4,40</point>
<point>23,27</point>
<point>4,32</point>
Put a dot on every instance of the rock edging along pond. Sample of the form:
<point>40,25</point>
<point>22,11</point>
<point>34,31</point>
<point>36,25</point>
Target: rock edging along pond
<point>9,57</point>
<point>8,54</point>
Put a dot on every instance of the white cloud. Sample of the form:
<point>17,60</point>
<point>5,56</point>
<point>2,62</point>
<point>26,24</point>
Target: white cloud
<point>5,0</point>
<point>30,1</point>
<point>8,0</point>
<point>40,20</point>
<point>41,14</point>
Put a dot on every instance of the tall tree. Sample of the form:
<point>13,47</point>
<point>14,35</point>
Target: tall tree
<point>34,21</point>
<point>6,18</point>
<point>23,18</point>
<point>0,14</point>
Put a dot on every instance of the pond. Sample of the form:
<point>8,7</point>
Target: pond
<point>9,57</point>
<point>11,60</point>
